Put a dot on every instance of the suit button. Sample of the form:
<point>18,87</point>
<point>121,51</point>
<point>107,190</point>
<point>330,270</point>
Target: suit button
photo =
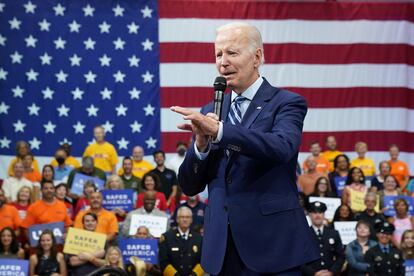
<point>225,208</point>
<point>228,180</point>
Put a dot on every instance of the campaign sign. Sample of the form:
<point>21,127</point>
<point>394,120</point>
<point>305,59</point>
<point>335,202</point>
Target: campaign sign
<point>332,204</point>
<point>36,230</point>
<point>389,204</point>
<point>13,267</point>
<point>346,230</point>
<point>79,181</point>
<point>145,249</point>
<point>121,199</point>
<point>409,267</point>
<point>156,225</point>
<point>340,184</point>
<point>79,240</point>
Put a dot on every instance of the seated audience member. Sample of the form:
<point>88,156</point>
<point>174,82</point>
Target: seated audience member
<point>355,250</point>
<point>174,261</point>
<point>48,173</point>
<point>114,182</point>
<point>84,263</point>
<point>9,216</point>
<point>9,245</point>
<point>12,184</point>
<point>390,189</point>
<point>377,183</point>
<point>148,209</point>
<point>407,244</point>
<point>139,165</point>
<point>197,208</point>
<point>151,182</point>
<point>343,213</point>
<point>370,215</point>
<point>307,180</point>
<point>322,165</point>
<point>331,152</point>
<point>402,220</point>
<point>142,233</point>
<point>168,178</point>
<point>61,194</point>
<point>47,261</point>
<point>341,169</point>
<point>130,181</point>
<point>23,201</point>
<point>330,244</point>
<point>62,170</point>
<point>383,258</point>
<point>22,148</point>
<point>83,202</point>
<point>113,258</point>
<point>46,210</point>
<point>322,188</point>
<point>69,160</point>
<point>399,169</point>
<point>107,223</point>
<point>354,182</point>
<point>367,165</point>
<point>29,172</point>
<point>175,161</point>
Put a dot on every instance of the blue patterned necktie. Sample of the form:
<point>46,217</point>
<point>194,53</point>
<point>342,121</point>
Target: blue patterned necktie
<point>235,116</point>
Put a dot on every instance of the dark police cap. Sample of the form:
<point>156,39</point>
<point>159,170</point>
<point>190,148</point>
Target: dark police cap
<point>384,227</point>
<point>317,207</point>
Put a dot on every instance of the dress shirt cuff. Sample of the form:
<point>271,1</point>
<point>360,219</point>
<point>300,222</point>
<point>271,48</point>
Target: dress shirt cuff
<point>219,133</point>
<point>202,155</point>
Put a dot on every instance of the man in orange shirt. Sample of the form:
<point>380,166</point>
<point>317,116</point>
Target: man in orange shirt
<point>399,169</point>
<point>307,181</point>
<point>9,216</point>
<point>322,165</point>
<point>107,222</point>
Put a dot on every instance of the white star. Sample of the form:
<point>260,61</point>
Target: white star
<point>35,144</point>
<point>44,25</point>
<point>3,74</point>
<point>147,44</point>
<point>32,75</point>
<point>133,61</point>
<point>75,60</point>
<point>106,94</point>
<point>33,109</point>
<point>136,127</point>
<point>49,127</point>
<point>123,144</point>
<point>65,141</point>
<point>119,76</point>
<point>59,10</point>
<point>118,10</point>
<point>149,110</point>
<point>146,12</point>
<point>108,126</point>
<point>30,41</point>
<point>15,24</point>
<point>18,92</point>
<point>147,77</point>
<point>78,127</point>
<point>133,28</point>
<point>2,5</point>
<point>90,77</point>
<point>119,44</point>
<point>16,57</point>
<point>74,27</point>
<point>59,43</point>
<point>151,142</point>
<point>48,93</point>
<point>4,108</point>
<point>104,27</point>
<point>89,44</point>
<point>3,40</point>
<point>134,93</point>
<point>121,110</point>
<point>5,143</point>
<point>88,10</point>
<point>92,111</point>
<point>63,110</point>
<point>61,76</point>
<point>46,59</point>
<point>29,7</point>
<point>105,60</point>
<point>77,94</point>
<point>19,126</point>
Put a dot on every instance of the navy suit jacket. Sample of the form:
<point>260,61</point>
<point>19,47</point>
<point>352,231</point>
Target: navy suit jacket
<point>253,189</point>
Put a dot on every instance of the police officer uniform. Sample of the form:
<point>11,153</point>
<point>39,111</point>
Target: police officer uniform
<point>178,255</point>
<point>331,250</point>
<point>385,260</point>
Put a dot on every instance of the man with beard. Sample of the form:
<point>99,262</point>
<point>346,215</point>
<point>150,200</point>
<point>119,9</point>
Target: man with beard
<point>9,216</point>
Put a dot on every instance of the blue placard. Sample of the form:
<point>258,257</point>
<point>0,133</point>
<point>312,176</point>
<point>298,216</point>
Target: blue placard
<point>79,181</point>
<point>340,184</point>
<point>122,199</point>
<point>13,267</point>
<point>388,203</point>
<point>409,267</point>
<point>35,230</point>
<point>145,249</point>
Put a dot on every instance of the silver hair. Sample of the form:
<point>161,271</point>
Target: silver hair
<point>182,209</point>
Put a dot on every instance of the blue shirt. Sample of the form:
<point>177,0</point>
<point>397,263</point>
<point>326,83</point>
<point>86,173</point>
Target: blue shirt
<point>61,173</point>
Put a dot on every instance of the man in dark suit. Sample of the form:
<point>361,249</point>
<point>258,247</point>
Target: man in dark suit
<point>253,222</point>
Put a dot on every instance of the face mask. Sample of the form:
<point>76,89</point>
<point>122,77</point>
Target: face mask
<point>181,152</point>
<point>60,160</point>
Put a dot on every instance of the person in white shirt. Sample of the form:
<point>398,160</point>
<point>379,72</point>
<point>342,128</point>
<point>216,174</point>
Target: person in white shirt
<point>12,185</point>
<point>175,162</point>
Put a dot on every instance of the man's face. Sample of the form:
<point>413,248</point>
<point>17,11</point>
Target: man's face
<point>370,203</point>
<point>310,161</point>
<point>96,201</point>
<point>149,202</point>
<point>235,60</point>
<point>383,238</point>
<point>315,149</point>
<point>394,152</point>
<point>361,150</point>
<point>138,153</point>
<point>317,218</point>
<point>18,169</point>
<point>27,161</point>
<point>127,166</point>
<point>89,223</point>
<point>331,143</point>
<point>159,159</point>
<point>184,219</point>
<point>48,191</point>
<point>142,233</point>
<point>99,134</point>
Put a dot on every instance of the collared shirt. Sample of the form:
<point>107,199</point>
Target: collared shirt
<point>183,234</point>
<point>316,229</point>
<point>385,248</point>
<point>61,173</point>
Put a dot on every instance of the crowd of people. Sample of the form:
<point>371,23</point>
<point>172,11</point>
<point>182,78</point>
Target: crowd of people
<point>33,196</point>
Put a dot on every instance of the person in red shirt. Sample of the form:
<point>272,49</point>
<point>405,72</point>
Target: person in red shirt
<point>151,182</point>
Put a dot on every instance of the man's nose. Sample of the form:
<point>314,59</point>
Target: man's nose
<point>224,60</point>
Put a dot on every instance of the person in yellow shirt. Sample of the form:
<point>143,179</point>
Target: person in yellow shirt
<point>331,153</point>
<point>399,169</point>
<point>139,165</point>
<point>22,149</point>
<point>322,165</point>
<point>69,160</point>
<point>103,153</point>
<point>367,165</point>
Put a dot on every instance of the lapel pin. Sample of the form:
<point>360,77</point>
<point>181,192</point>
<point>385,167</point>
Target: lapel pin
<point>259,107</point>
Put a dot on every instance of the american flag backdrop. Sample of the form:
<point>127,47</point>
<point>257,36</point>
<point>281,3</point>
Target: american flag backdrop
<point>66,66</point>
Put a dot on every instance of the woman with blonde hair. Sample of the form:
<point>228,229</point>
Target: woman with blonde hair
<point>23,201</point>
<point>407,244</point>
<point>113,257</point>
<point>114,182</point>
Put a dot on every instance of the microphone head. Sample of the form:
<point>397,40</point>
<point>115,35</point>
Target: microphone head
<point>220,83</point>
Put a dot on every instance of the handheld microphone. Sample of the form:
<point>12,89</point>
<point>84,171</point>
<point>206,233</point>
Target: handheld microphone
<point>220,85</point>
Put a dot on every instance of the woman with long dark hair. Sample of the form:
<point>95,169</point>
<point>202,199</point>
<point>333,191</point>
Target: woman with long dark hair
<point>341,169</point>
<point>9,246</point>
<point>151,182</point>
